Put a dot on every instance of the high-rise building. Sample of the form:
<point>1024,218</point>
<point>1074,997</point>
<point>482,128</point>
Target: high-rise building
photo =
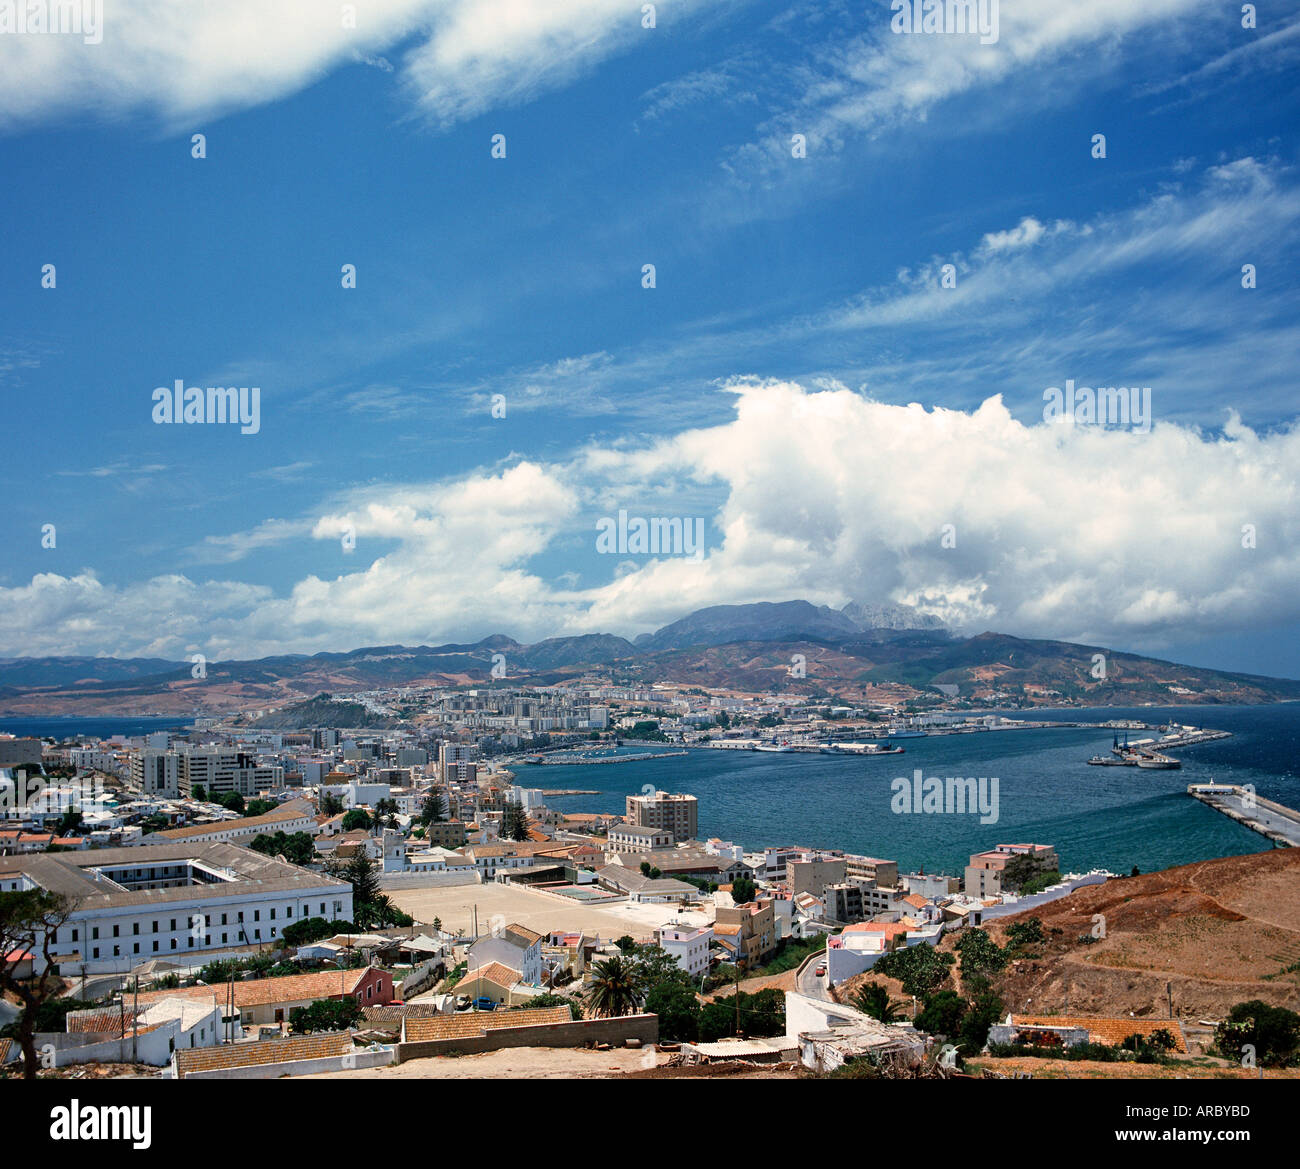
<point>673,812</point>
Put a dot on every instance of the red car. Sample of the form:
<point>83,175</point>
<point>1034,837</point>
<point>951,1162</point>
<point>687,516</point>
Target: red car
<point>820,972</point>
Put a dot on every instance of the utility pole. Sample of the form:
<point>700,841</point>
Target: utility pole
<point>738,1000</point>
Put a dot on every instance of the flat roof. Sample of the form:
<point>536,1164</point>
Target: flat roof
<point>72,873</point>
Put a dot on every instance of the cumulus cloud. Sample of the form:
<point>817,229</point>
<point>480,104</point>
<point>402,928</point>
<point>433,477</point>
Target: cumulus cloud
<point>1084,533</point>
<point>185,59</point>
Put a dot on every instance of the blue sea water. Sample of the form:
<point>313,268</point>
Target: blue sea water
<point>1097,817</point>
<point>98,728</point>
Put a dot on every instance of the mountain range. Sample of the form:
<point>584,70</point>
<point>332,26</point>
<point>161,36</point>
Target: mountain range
<point>859,652</point>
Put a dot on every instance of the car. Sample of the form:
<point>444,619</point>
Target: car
<point>484,1004</point>
<point>820,972</point>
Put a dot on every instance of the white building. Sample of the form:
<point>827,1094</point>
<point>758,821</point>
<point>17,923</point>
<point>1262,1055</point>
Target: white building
<point>688,947</point>
<point>176,901</point>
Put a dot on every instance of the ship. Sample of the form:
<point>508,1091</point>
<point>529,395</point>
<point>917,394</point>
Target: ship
<point>1158,763</point>
<point>885,748</point>
<point>1107,761</point>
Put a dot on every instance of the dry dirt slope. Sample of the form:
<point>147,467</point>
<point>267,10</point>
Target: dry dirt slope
<point>1217,931</point>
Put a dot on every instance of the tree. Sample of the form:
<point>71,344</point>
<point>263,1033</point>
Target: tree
<point>298,848</point>
<point>613,989</point>
<point>678,1010</point>
<point>654,966</point>
<point>514,821</point>
<point>29,922</point>
<point>330,804</point>
<point>1274,1033</point>
<point>873,999</point>
<point>921,969</point>
<point>325,1015</point>
<point>743,890</point>
<point>259,807</point>
<point>357,818</point>
<point>974,1033</point>
<point>942,1014</point>
<point>69,823</point>
<point>980,954</point>
<point>200,793</point>
<point>386,812</point>
<point>552,1000</point>
<point>434,809</point>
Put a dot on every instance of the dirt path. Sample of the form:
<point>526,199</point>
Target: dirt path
<point>520,1063</point>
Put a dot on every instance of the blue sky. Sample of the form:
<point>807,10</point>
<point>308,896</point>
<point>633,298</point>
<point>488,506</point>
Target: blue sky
<point>766,383</point>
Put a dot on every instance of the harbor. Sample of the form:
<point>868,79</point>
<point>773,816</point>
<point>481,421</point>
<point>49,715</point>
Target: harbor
<point>1279,824</point>
<point>1152,754</point>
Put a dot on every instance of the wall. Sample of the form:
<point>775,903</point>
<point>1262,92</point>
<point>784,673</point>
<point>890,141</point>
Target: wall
<point>574,1034</point>
<point>300,1067</point>
<point>429,880</point>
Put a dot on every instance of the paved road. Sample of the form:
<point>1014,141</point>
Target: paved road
<point>807,983</point>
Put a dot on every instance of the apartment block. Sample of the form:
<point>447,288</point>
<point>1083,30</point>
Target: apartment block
<point>675,813</point>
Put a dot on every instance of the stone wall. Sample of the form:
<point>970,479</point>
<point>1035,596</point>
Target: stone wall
<point>574,1034</point>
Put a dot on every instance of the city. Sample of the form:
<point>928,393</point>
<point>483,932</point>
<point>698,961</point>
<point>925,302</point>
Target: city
<point>744,546</point>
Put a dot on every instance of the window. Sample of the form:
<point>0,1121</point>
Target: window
<point>95,952</point>
<point>135,949</point>
<point>173,943</point>
<point>155,925</point>
<point>155,947</point>
<point>135,927</point>
<point>115,933</point>
<point>273,913</point>
<point>74,934</point>
<point>223,919</point>
<point>94,933</point>
<point>257,915</point>
<point>223,938</point>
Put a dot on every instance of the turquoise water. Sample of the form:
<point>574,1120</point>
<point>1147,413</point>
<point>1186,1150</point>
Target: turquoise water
<point>1097,817</point>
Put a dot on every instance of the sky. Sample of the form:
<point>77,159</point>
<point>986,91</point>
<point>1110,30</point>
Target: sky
<point>873,253</point>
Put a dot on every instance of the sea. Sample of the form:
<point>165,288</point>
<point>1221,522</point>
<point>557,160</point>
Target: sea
<point>1097,817</point>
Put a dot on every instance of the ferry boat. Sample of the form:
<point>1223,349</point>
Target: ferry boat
<point>1159,763</point>
<point>885,748</point>
<point>1107,761</point>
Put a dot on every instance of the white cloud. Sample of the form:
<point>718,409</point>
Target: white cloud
<point>1086,534</point>
<point>184,60</point>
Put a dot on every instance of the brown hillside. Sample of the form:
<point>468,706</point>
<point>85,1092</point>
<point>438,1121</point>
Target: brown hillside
<point>1217,932</point>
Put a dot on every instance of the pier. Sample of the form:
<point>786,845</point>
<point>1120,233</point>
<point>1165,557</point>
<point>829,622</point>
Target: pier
<point>1280,824</point>
<point>591,761</point>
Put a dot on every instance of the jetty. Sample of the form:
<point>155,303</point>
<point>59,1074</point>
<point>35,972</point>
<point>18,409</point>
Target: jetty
<point>1280,824</point>
<point>588,761</point>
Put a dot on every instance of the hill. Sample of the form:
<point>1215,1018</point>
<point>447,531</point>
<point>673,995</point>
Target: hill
<point>860,653</point>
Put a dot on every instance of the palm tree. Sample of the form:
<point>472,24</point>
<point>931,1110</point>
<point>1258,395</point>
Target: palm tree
<point>614,988</point>
<point>873,1000</point>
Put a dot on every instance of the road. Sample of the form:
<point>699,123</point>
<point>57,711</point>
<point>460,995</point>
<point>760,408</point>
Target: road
<point>808,983</point>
